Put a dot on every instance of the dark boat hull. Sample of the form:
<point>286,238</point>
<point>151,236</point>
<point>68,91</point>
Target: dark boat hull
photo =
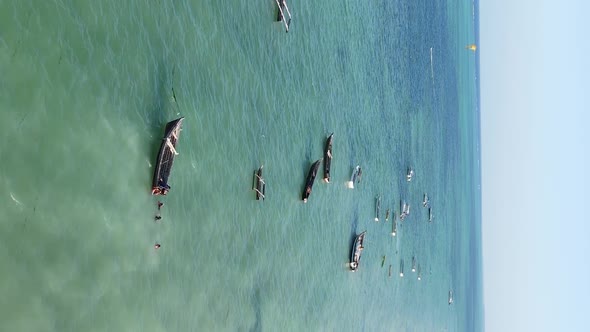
<point>259,185</point>
<point>165,157</point>
<point>356,251</point>
<point>328,158</point>
<point>281,3</point>
<point>313,171</point>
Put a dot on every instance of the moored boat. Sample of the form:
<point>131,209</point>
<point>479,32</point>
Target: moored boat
<point>425,200</point>
<point>282,4</point>
<point>353,178</point>
<point>409,174</point>
<point>165,157</point>
<point>377,207</point>
<point>450,297</point>
<point>357,250</point>
<point>258,184</point>
<point>394,228</point>
<point>328,158</point>
<point>405,210</point>
<point>313,171</point>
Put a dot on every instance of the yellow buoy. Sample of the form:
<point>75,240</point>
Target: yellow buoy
<point>471,47</point>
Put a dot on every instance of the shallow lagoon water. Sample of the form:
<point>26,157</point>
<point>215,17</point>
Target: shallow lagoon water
<point>85,92</point>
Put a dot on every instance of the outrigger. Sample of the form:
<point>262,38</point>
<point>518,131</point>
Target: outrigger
<point>281,15</point>
<point>313,171</point>
<point>166,157</point>
<point>328,158</point>
<point>258,184</point>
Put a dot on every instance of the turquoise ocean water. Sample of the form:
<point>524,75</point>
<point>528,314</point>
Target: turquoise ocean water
<point>86,89</point>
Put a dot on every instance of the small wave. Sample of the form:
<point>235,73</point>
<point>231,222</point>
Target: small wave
<point>15,200</point>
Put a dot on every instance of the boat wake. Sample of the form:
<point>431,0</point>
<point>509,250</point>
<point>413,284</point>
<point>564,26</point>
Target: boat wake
<point>432,71</point>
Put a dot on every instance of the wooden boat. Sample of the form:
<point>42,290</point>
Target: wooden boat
<point>313,171</point>
<point>394,228</point>
<point>166,157</point>
<point>282,4</point>
<point>357,250</point>
<point>258,184</point>
<point>328,158</point>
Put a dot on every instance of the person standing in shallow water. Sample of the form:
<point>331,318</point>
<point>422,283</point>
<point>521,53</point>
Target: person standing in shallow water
<point>160,204</point>
<point>157,246</point>
<point>158,218</point>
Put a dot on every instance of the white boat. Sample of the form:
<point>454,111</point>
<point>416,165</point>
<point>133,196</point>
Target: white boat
<point>377,208</point>
<point>450,297</point>
<point>403,207</point>
<point>425,200</point>
<point>356,173</point>
<point>405,211</point>
<point>409,174</point>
